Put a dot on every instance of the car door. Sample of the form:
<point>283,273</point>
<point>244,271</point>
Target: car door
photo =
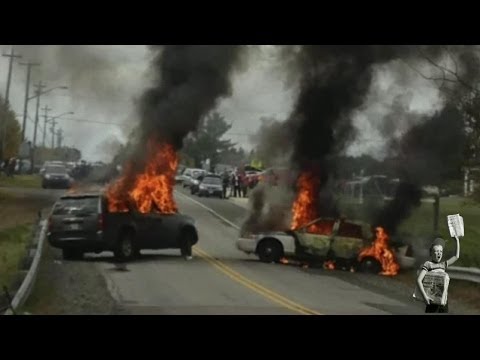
<point>348,241</point>
<point>316,238</point>
<point>161,231</point>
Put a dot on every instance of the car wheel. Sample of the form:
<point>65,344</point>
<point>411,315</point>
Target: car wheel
<point>72,254</point>
<point>370,265</point>
<point>186,243</point>
<point>125,248</point>
<point>269,251</point>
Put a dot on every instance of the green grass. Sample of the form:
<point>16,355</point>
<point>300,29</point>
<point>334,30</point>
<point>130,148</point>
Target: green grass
<point>25,181</point>
<point>422,220</point>
<point>13,243</point>
<point>420,224</point>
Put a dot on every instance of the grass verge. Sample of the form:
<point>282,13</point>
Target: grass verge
<point>25,181</point>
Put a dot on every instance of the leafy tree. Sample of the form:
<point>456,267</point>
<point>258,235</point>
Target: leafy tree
<point>206,142</point>
<point>13,136</point>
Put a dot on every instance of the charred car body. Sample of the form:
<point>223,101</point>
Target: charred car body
<point>81,223</point>
<point>320,240</point>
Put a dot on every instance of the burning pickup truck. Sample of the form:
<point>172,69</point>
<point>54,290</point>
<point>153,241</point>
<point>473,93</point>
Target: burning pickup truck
<point>348,244</point>
<point>82,223</point>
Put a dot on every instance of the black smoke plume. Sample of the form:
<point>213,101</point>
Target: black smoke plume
<point>190,80</point>
<point>426,153</point>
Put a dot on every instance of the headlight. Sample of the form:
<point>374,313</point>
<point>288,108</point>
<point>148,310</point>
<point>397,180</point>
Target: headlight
<point>202,187</point>
<point>47,176</point>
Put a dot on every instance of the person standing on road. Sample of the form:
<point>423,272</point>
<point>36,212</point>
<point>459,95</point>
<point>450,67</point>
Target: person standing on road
<point>225,183</point>
<point>435,265</point>
<point>11,167</point>
<point>244,185</point>
<point>235,184</point>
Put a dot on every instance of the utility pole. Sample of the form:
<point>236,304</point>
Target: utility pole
<point>46,109</point>
<point>11,57</point>
<point>59,138</point>
<point>52,129</point>
<point>38,92</point>
<point>27,89</point>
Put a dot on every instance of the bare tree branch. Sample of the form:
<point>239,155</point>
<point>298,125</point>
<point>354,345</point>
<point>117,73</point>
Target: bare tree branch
<point>447,50</point>
<point>449,71</point>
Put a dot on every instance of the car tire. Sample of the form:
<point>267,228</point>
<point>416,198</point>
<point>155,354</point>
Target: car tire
<point>125,248</point>
<point>370,265</point>
<point>186,243</point>
<point>72,254</point>
<point>269,251</point>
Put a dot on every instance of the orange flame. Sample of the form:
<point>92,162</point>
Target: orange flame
<point>380,251</point>
<point>329,265</point>
<point>284,261</point>
<point>151,190</point>
<point>304,208</point>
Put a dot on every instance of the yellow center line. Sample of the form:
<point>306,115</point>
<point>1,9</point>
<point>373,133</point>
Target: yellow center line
<point>269,294</point>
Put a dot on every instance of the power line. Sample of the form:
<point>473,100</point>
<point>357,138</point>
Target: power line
<point>92,121</point>
<point>85,120</point>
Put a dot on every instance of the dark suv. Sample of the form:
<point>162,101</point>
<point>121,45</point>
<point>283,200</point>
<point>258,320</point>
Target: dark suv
<point>81,223</point>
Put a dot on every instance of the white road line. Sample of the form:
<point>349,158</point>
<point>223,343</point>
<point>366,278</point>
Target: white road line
<point>213,212</point>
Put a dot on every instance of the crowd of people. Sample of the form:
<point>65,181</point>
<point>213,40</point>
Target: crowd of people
<point>237,182</point>
<point>8,166</point>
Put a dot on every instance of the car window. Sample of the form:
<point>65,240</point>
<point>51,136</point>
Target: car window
<point>56,170</point>
<point>76,206</point>
<point>350,230</point>
<point>212,180</point>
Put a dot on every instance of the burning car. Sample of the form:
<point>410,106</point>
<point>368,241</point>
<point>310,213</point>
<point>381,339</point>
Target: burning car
<point>137,211</point>
<point>336,241</point>
<point>82,223</point>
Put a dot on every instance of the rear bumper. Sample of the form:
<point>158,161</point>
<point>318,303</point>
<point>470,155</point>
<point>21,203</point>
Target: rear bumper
<point>64,184</point>
<point>208,193</point>
<point>95,242</point>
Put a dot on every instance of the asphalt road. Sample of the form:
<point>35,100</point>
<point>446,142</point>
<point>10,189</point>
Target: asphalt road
<point>222,280</point>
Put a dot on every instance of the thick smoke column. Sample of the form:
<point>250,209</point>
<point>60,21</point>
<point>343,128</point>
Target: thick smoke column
<point>428,150</point>
<point>425,154</point>
<point>190,81</point>
<point>334,81</point>
<point>407,197</point>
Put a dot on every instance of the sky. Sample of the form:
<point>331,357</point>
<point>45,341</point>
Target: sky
<point>105,80</point>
